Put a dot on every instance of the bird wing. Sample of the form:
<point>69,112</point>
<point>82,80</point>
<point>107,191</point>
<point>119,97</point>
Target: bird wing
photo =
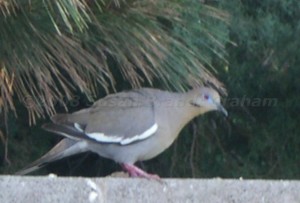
<point>121,118</point>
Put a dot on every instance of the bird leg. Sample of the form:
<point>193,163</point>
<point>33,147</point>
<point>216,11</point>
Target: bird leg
<point>135,171</point>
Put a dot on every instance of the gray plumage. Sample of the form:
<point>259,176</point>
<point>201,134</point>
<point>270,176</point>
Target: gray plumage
<point>129,126</point>
<point>66,147</point>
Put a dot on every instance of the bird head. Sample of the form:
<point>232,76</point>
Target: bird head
<point>208,99</point>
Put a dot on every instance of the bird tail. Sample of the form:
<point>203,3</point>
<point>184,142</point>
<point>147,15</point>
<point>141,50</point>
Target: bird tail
<point>64,148</point>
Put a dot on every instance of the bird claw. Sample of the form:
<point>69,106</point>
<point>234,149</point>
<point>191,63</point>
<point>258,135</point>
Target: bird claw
<point>135,171</point>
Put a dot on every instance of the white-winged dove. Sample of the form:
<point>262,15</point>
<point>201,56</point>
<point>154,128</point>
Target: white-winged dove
<point>129,126</point>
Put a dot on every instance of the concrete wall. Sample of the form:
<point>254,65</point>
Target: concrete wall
<point>70,190</point>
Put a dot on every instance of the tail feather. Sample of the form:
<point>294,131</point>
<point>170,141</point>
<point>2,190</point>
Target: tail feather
<point>64,148</point>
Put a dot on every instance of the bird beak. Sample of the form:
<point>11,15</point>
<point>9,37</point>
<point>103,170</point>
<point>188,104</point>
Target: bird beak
<point>222,109</point>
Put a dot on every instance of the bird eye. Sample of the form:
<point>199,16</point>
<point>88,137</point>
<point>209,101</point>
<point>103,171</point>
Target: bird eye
<point>206,97</point>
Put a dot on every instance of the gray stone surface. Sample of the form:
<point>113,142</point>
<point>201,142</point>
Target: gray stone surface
<point>70,190</point>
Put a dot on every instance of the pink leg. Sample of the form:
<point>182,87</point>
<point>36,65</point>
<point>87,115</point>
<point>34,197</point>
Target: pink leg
<point>134,171</point>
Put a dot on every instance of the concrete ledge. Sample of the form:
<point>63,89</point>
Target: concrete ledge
<point>71,190</point>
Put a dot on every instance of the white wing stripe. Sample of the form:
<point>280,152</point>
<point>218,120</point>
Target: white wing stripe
<point>101,137</point>
<point>78,127</point>
<point>144,135</point>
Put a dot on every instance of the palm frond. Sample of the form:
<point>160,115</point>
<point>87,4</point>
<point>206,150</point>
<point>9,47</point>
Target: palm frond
<point>51,49</point>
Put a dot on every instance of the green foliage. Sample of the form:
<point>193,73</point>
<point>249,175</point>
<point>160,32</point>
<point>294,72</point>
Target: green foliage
<point>264,64</point>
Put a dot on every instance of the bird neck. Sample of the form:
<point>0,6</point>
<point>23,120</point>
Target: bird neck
<point>184,111</point>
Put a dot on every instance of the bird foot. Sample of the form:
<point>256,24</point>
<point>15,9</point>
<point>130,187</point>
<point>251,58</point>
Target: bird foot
<point>135,171</point>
